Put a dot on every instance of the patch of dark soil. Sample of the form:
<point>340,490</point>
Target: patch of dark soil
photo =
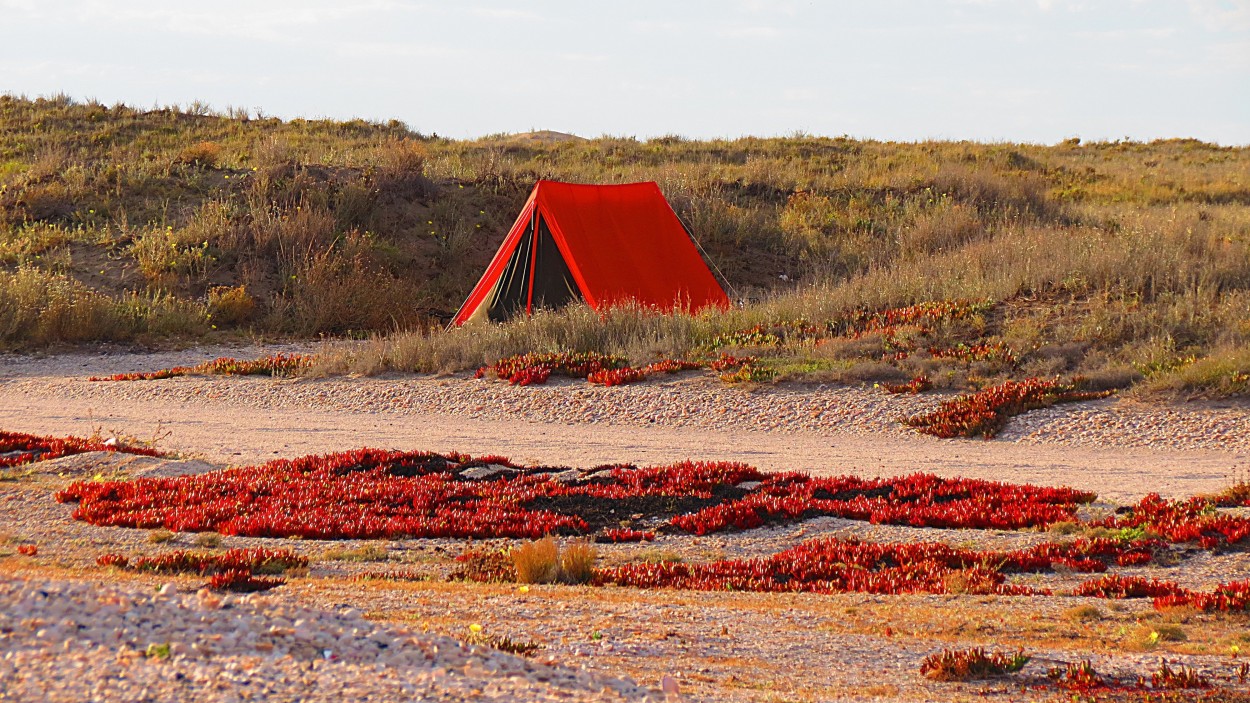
<point>418,467</point>
<point>628,512</point>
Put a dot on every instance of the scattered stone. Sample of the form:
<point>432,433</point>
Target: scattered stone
<point>490,471</point>
<point>570,477</point>
<point>74,641</point>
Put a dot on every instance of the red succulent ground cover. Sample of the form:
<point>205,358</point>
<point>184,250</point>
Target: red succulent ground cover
<point>772,334</point>
<point>374,493</point>
<point>203,563</point>
<point>1080,676</point>
<point>616,377</point>
<point>1190,520</point>
<point>727,362</point>
<point>1182,677</point>
<point>985,412</point>
<point>232,570</point>
<point>919,384</point>
<point>996,351</point>
<point>865,322</point>
<point>673,366</point>
<point>919,500</point>
<point>526,369</point>
<point>17,448</point>
<point>1227,597</point>
<point>1236,495</point>
<point>968,664</point>
<point>534,368</point>
<point>625,535</point>
<point>980,414</point>
<point>832,565</point>
<point>600,369</point>
<point>1116,586</point>
<point>243,581</point>
<point>393,575</point>
<point>275,365</point>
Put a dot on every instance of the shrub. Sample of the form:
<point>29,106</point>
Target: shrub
<point>945,228</point>
<point>203,154</point>
<point>230,305</point>
<point>164,258</point>
<point>40,308</point>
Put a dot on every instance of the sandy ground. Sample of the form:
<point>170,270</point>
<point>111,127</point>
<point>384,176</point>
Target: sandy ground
<point>248,420</point>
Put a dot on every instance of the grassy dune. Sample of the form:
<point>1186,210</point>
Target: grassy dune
<point>1126,261</point>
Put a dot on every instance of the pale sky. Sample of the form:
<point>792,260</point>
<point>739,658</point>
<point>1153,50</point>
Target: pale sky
<point>989,70</point>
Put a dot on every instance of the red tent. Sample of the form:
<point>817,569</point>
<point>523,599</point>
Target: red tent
<point>601,244</point>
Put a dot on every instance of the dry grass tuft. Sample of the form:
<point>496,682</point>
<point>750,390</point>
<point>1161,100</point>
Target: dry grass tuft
<point>537,562</point>
<point>208,540</point>
<point>161,536</point>
<point>577,562</point>
<point>1084,613</point>
<point>543,561</point>
<point>363,553</point>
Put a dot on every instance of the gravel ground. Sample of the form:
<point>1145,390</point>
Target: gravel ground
<point>68,641</point>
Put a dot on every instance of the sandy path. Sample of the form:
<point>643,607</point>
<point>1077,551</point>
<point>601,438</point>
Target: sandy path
<point>225,429</point>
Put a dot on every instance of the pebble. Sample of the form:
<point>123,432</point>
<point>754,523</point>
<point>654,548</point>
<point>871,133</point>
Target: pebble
<point>74,641</point>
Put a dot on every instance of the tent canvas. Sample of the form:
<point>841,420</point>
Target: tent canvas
<point>603,244</point>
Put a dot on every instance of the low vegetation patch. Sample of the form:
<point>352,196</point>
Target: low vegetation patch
<point>369,494</point>
<point>986,412</point>
<point>202,563</point>
<point>970,664</point>
<point>276,365</point>
<point>1079,676</point>
<point>233,570</point>
<point>17,448</point>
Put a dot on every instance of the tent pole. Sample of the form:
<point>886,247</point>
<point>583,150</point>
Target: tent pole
<point>707,257</point>
<point>529,294</point>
